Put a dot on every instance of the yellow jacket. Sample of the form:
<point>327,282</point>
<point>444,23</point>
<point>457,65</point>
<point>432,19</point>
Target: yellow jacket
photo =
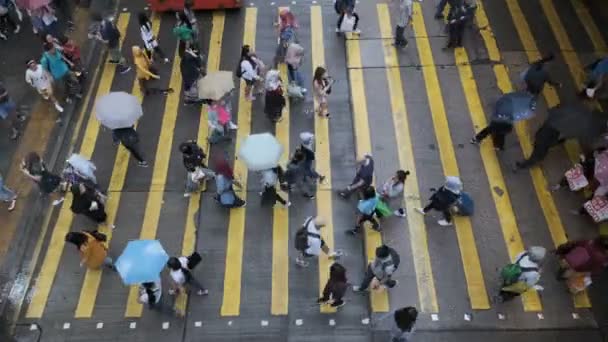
<point>142,64</point>
<point>93,252</point>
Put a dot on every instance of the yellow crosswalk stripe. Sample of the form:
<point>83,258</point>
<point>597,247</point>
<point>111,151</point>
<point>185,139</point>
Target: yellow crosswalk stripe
<point>231,302</point>
<point>92,278</point>
<point>280,234</point>
<point>556,228</point>
<point>373,239</point>
<point>323,155</point>
<point>466,240</point>
<point>502,202</point>
<point>46,276</point>
<point>159,174</point>
<point>213,63</point>
<point>416,225</point>
<point>592,30</point>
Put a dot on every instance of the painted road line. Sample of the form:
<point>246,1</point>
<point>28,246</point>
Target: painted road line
<point>280,224</point>
<point>592,30</point>
<point>231,302</point>
<point>373,239</point>
<point>46,276</point>
<point>194,204</point>
<point>554,223</point>
<point>323,156</point>
<point>92,278</point>
<point>417,229</point>
<point>466,240</point>
<point>506,216</point>
<point>159,174</point>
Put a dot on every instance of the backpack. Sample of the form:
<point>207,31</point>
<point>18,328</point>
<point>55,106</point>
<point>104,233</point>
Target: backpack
<point>465,205</point>
<point>510,273</point>
<point>239,70</point>
<point>302,234</point>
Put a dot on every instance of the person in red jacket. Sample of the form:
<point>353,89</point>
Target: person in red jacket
<point>585,256</point>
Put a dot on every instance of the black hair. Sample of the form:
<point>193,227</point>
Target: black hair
<point>406,317</point>
<point>77,238</point>
<point>402,175</point>
<point>383,252</point>
<point>144,20</point>
<point>337,272</point>
<point>184,19</point>
<point>174,264</point>
<point>48,46</point>
<point>369,192</point>
<point>149,288</point>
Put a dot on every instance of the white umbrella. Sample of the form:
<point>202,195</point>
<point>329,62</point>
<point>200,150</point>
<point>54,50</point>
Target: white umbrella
<point>118,110</point>
<point>260,151</point>
<point>215,85</point>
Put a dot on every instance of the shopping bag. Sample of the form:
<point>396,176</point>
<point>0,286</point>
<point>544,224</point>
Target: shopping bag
<point>576,178</point>
<point>597,208</point>
<point>577,258</point>
<point>348,23</point>
<point>383,209</point>
<point>578,282</point>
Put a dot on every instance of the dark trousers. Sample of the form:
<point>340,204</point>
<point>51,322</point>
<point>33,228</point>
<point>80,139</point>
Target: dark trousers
<point>157,50</point>
<point>134,152</point>
<point>498,130</point>
<point>545,138</point>
<point>445,211</point>
<point>400,36</point>
<point>369,275</point>
<point>341,17</point>
<point>6,21</point>
<point>369,218</point>
<point>440,7</point>
<point>455,33</point>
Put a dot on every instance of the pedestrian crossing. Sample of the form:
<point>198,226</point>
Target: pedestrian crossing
<point>404,76</point>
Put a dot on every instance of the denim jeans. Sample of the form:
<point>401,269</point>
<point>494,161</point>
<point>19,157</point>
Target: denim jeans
<point>294,75</point>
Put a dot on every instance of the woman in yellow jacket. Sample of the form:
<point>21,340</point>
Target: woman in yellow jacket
<point>145,72</point>
<point>93,251</point>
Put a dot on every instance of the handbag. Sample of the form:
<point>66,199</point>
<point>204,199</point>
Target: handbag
<point>597,208</point>
<point>348,23</point>
<point>193,260</point>
<point>576,178</point>
<point>383,209</point>
<point>577,258</point>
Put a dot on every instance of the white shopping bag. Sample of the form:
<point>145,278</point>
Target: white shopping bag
<point>348,23</point>
<point>590,92</point>
<point>576,178</point>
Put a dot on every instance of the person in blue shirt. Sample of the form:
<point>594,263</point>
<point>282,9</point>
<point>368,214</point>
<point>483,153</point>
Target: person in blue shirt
<point>57,65</point>
<point>366,209</point>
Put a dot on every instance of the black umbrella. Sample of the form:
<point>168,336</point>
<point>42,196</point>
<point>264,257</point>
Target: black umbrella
<point>576,121</point>
<point>515,106</point>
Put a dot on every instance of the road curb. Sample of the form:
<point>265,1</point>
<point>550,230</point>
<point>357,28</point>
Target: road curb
<point>30,226</point>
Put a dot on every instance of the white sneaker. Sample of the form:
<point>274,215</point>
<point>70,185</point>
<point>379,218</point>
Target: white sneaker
<point>187,194</point>
<point>17,29</point>
<point>301,262</point>
<point>202,292</point>
<point>338,30</point>
<point>287,205</point>
<point>420,211</point>
<point>356,288</point>
<point>58,201</point>
<point>400,212</point>
<point>231,125</point>
<point>58,107</point>
<point>304,90</point>
<point>166,60</point>
<point>357,31</point>
<point>444,223</point>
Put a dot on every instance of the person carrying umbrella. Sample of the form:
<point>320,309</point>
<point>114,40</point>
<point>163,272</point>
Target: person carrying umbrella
<point>129,138</point>
<point>92,249</point>
<point>564,122</point>
<point>269,193</point>
<point>509,108</point>
<point>442,199</point>
<point>535,76</point>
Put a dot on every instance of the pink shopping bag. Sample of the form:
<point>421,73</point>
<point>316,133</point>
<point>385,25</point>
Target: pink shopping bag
<point>576,178</point>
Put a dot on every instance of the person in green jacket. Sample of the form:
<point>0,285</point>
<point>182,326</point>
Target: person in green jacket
<point>184,33</point>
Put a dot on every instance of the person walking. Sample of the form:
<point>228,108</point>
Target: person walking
<point>180,271</point>
<point>296,174</point>
<point>40,79</point>
<point>56,64</point>
<point>455,26</point>
<point>309,243</point>
<point>249,71</point>
<point>443,199</point>
<point>224,183</point>
<point>363,177</point>
<point>545,138</point>
<point>523,274</point>
<point>380,271</point>
<point>150,41</point>
<point>184,33</point>
<point>6,19</point>
<point>269,193</point>
<point>7,195</point>
<point>597,74</point>
<point>188,13</point>
<point>145,72</point>
<point>220,121</point>
<point>151,293</point>
<point>441,7</point>
<point>535,76</point>
<point>335,288</point>
<point>191,68</point>
<point>583,257</point>
<point>293,59</point>
<point>109,34</point>
<point>9,108</point>
<point>404,20</point>
<point>346,8</point>
<point>35,169</point>
<point>129,138</point>
<point>366,209</point>
<point>321,85</point>
<point>92,248</point>
<point>274,101</point>
<point>307,147</point>
<point>86,201</point>
<point>193,158</point>
<point>498,129</point>
<point>402,327</point>
<point>393,188</point>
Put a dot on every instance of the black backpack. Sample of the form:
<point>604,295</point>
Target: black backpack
<point>302,234</point>
<point>239,70</point>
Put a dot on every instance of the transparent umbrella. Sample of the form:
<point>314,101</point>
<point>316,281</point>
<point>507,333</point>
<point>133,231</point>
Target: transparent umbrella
<point>118,110</point>
<point>260,151</point>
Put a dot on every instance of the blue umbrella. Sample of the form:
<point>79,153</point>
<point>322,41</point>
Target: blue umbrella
<point>515,106</point>
<point>141,261</point>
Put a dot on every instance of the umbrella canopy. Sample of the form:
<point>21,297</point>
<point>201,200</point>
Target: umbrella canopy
<point>515,106</point>
<point>118,110</point>
<point>32,4</point>
<point>577,122</point>
<point>601,168</point>
<point>83,166</point>
<point>260,151</point>
<point>215,85</point>
<point>141,261</point>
